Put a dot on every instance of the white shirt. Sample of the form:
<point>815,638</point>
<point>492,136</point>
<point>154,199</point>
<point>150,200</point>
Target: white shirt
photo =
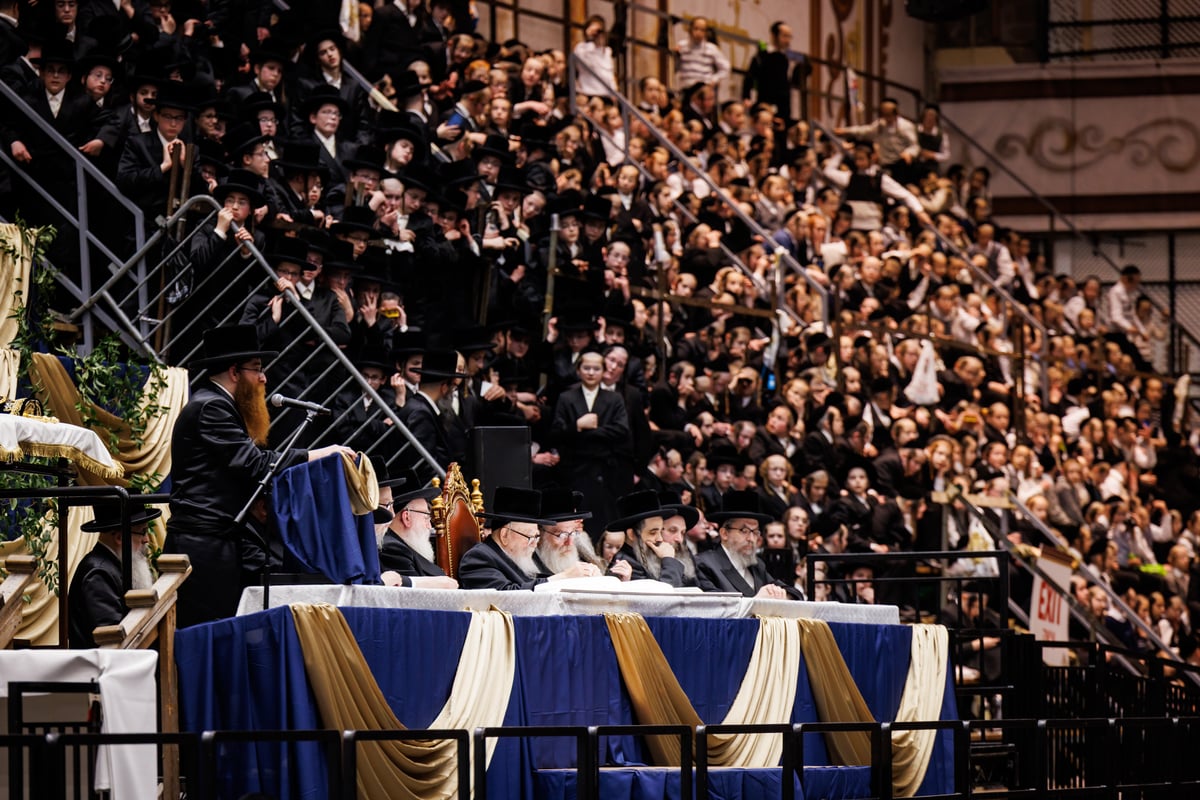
<point>56,101</point>
<point>331,79</point>
<point>589,396</point>
<point>328,142</point>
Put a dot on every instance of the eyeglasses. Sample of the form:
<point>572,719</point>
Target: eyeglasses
<point>101,77</point>
<point>745,531</point>
<point>259,370</point>
<point>530,537</point>
<point>268,121</point>
<point>330,112</point>
<point>417,511</point>
<point>563,536</point>
<point>388,505</point>
<point>173,117</point>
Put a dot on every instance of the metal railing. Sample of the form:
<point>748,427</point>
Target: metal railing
<point>1136,756</point>
<point>309,364</point>
<point>83,170</point>
<point>630,111</point>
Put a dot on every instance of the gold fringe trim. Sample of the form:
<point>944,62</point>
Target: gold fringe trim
<point>83,460</point>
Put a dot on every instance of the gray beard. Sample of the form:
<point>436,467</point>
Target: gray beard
<point>143,578</point>
<point>526,564</point>
<point>742,561</point>
<point>420,542</point>
<point>557,561</point>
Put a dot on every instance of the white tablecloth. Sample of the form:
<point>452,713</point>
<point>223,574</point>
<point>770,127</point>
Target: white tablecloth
<point>557,604</point>
<point>32,436</point>
<point>128,695</point>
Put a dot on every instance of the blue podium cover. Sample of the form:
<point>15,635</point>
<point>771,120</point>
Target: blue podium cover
<point>248,672</point>
<point>312,505</point>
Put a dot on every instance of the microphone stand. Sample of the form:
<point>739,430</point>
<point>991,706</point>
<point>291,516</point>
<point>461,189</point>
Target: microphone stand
<point>309,416</point>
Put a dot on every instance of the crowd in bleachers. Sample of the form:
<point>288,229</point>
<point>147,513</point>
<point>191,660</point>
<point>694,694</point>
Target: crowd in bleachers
<point>895,369</point>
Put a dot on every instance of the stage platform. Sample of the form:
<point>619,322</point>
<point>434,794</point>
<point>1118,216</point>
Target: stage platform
<point>248,673</point>
<point>555,604</point>
<point>657,783</point>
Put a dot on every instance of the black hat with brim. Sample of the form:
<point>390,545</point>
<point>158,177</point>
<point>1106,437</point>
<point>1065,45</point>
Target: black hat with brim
<point>597,207</point>
<point>301,157</point>
<point>513,180</point>
<point>290,250</point>
<point>416,176</point>
<point>633,508</point>
<point>227,345</point>
<point>511,504</point>
<point>367,157</point>
<point>439,365</point>
<point>561,505</point>
<point>725,454</point>
<point>672,505</point>
<point>407,343</point>
<point>405,486</point>
<point>356,219</point>
<point>324,96</point>
<point>741,505</point>
<point>108,516</point>
<point>244,181</point>
<point>473,339</point>
<point>57,51</point>
<point>373,357</point>
<point>495,145</point>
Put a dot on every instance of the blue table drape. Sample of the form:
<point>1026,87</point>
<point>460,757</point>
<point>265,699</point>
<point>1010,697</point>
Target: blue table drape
<point>566,674</point>
<point>316,523</point>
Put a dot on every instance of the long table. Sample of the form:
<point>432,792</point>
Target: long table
<point>543,604</point>
<point>248,673</point>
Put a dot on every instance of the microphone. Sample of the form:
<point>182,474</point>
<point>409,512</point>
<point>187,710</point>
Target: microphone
<point>279,401</point>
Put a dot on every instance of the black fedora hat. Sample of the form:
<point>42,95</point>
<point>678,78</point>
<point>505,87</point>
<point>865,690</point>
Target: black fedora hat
<point>597,206</point>
<point>673,505</point>
<point>395,125</point>
<point>513,180</point>
<point>366,156</point>
<point>270,50</point>
<point>99,57</point>
<point>356,219</point>
<point>324,95</point>
<point>511,504</point>
<point>473,339</point>
<point>415,176</point>
<point>635,507</point>
<point>495,145</point>
<point>440,365</point>
<point>244,181</point>
<point>573,320</point>
<point>406,85</point>
<point>560,505</point>
<point>725,454</point>
<point>243,139</point>
<point>373,356</point>
<point>340,255</point>
<point>407,343</point>
<point>56,51</point>
<point>173,94</point>
<point>108,516</point>
<point>566,204</point>
<point>228,345</point>
<point>291,250</point>
<point>407,486</point>
<point>301,157</point>
<point>457,173</point>
<point>260,101</point>
<point>741,505</point>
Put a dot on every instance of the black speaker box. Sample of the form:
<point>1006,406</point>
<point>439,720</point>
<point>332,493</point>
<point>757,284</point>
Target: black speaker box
<point>501,459</point>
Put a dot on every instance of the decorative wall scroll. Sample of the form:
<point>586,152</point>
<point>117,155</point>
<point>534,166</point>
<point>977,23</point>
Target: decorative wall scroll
<point>1056,144</point>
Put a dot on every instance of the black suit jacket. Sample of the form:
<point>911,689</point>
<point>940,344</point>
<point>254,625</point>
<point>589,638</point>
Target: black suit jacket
<point>95,598</point>
<point>424,420</point>
<point>487,566</point>
<point>716,573</point>
<point>584,450</point>
<point>214,464</point>
<point>139,173</point>
<point>396,554</point>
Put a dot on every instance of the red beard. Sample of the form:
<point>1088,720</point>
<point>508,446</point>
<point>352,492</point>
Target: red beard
<point>250,396</point>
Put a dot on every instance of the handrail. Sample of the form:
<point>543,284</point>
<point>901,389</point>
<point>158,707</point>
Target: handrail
<point>325,339</point>
<point>1093,579</point>
<point>629,109</point>
<point>91,169</point>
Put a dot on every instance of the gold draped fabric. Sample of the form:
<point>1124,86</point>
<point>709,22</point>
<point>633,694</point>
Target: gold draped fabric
<point>15,270</point>
<point>766,695</point>
<point>835,693</point>
<point>768,692</point>
<point>350,699</point>
<point>922,700</point>
<point>10,370</point>
<point>361,483</point>
<point>39,620</point>
<point>59,394</point>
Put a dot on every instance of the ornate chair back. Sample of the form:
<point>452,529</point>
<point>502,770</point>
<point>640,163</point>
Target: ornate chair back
<point>455,517</point>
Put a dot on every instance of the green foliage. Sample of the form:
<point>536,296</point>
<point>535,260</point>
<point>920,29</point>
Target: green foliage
<point>108,377</point>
